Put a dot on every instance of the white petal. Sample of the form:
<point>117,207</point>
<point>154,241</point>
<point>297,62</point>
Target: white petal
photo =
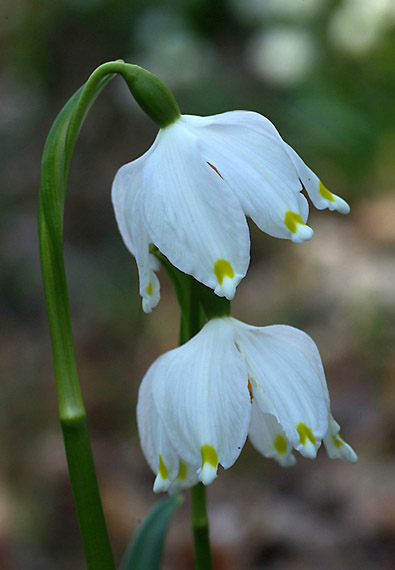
<point>319,195</point>
<point>147,263</point>
<point>125,191</point>
<point>186,478</point>
<point>126,184</point>
<point>269,438</point>
<point>248,152</point>
<point>207,473</point>
<point>201,392</point>
<point>288,381</point>
<point>335,445</point>
<point>154,441</point>
<point>150,292</point>
<point>191,214</point>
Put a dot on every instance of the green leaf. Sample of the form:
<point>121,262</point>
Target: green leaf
<point>146,548</point>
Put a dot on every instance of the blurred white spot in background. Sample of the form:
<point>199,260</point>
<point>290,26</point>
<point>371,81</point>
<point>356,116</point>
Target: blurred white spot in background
<point>300,10</point>
<point>169,48</point>
<point>284,56</point>
<point>356,26</point>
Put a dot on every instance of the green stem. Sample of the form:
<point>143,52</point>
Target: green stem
<point>55,168</point>
<point>200,528</point>
<point>191,322</point>
<point>86,493</point>
<point>158,102</point>
<point>192,318</point>
<point>197,304</point>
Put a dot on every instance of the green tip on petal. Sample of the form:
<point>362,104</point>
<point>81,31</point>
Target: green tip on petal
<point>222,269</point>
<point>305,434</point>
<point>325,193</point>
<point>335,445</point>
<point>337,441</point>
<point>209,455</point>
<point>162,482</point>
<point>163,472</point>
<point>208,472</point>
<point>334,202</point>
<point>307,441</point>
<point>291,220</point>
<point>300,232</point>
<point>280,444</point>
<point>182,471</point>
<point>226,279</point>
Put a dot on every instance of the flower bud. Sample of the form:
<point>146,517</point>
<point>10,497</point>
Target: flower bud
<point>153,96</point>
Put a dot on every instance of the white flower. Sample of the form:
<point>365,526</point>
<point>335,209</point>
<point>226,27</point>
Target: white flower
<point>198,402</point>
<point>190,192</point>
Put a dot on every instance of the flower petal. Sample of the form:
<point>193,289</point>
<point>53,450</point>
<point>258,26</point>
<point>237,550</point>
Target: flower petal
<point>187,477</point>
<point>320,196</point>
<point>125,196</point>
<point>191,214</point>
<point>287,381</point>
<point>249,154</point>
<point>335,445</point>
<point>269,438</point>
<point>126,184</point>
<point>147,263</point>
<point>155,444</point>
<point>201,392</point>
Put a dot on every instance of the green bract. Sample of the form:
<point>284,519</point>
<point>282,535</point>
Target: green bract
<point>153,96</point>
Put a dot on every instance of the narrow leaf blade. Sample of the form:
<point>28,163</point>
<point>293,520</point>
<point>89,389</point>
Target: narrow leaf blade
<point>145,550</point>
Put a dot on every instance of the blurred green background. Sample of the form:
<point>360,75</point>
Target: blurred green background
<point>323,71</point>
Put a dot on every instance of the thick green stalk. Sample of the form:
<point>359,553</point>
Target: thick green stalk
<point>197,303</point>
<point>200,528</point>
<point>192,317</point>
<point>86,494</point>
<point>55,169</point>
<point>191,322</point>
<point>158,102</point>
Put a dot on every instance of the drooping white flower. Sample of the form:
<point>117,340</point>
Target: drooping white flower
<point>190,193</point>
<point>198,402</point>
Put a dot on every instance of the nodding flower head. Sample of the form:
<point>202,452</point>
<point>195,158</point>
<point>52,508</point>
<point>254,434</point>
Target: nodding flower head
<point>199,402</point>
<point>190,193</point>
